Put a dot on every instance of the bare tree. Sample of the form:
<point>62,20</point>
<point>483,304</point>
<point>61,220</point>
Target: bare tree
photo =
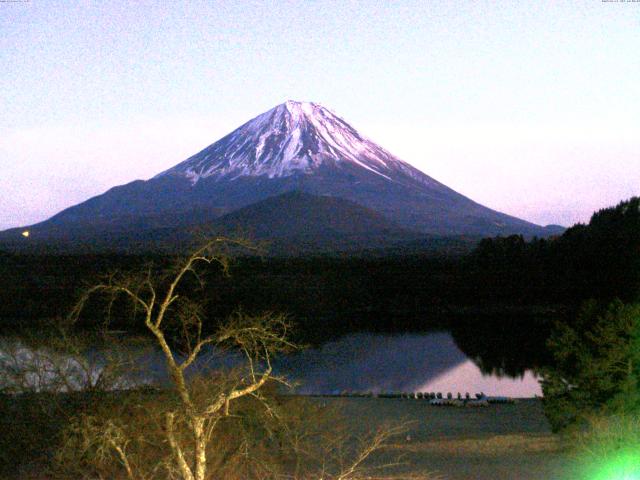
<point>62,360</point>
<point>165,306</point>
<point>47,377</point>
<point>205,424</point>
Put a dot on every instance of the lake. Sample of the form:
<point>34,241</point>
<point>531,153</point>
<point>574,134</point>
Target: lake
<point>359,362</point>
<point>427,362</point>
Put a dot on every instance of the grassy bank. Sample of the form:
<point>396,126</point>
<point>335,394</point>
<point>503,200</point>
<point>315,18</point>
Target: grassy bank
<point>505,441</point>
<point>500,441</point>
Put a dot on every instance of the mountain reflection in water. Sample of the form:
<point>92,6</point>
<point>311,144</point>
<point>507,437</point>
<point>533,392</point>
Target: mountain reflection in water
<point>366,362</point>
<point>361,362</point>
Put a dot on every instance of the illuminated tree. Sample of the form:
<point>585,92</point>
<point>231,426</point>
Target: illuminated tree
<point>167,308</point>
<point>205,424</point>
<point>596,370</point>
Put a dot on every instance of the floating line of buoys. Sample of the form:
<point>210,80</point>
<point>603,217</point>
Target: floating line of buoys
<point>434,398</point>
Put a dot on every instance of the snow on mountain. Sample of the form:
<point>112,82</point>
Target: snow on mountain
<point>294,137</point>
<point>296,146</point>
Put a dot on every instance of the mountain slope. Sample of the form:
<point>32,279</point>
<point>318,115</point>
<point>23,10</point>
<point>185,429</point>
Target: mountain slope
<point>295,146</point>
<point>292,223</point>
<point>292,138</point>
<point>298,214</point>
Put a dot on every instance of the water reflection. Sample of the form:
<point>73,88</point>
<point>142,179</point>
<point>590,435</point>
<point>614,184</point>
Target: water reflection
<point>469,378</point>
<point>402,363</point>
<point>363,362</point>
<point>505,344</point>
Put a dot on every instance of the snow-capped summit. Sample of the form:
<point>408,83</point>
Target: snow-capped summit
<point>294,147</point>
<point>293,137</point>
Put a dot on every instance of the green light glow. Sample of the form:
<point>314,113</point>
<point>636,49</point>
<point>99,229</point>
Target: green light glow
<point>623,466</point>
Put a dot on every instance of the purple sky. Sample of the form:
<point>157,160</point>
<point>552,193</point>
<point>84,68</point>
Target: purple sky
<point>531,108</point>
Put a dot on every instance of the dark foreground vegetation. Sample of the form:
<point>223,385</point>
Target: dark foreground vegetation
<point>77,413</point>
<point>506,285</point>
<point>564,306</point>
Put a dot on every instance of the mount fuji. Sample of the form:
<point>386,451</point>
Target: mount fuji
<point>294,147</point>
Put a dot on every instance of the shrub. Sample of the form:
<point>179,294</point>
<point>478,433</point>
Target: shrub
<point>596,369</point>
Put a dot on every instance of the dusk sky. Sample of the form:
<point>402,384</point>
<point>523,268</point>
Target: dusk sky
<point>528,107</point>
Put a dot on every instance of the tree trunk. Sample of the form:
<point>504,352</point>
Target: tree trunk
<point>183,467</point>
<point>201,444</point>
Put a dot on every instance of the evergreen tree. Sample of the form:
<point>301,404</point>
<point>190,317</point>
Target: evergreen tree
<point>596,368</point>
